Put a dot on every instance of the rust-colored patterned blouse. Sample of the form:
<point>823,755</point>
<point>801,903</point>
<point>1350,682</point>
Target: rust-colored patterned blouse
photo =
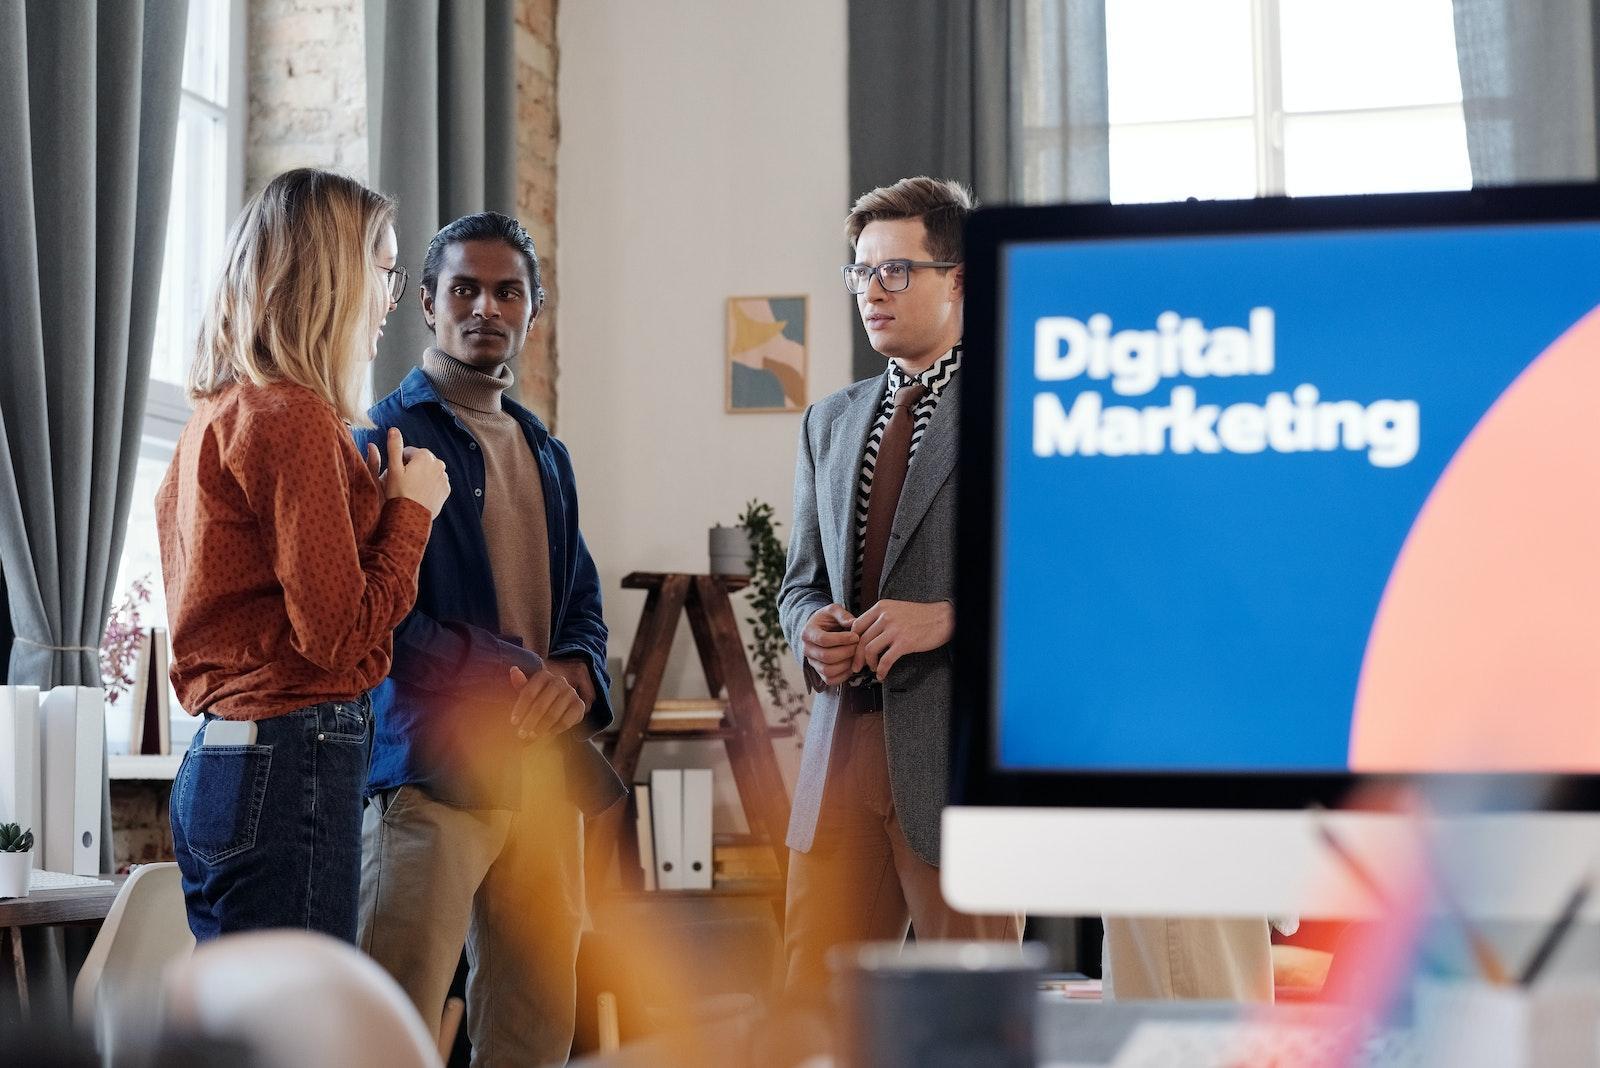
<point>286,571</point>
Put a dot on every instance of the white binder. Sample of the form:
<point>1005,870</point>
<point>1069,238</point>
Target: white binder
<point>666,813</point>
<point>20,797</point>
<point>697,828</point>
<point>72,722</point>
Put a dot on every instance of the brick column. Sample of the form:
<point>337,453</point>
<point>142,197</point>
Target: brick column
<point>538,130</point>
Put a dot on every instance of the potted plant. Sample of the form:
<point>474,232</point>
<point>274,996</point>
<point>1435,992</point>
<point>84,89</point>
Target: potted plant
<point>16,860</point>
<point>730,550</point>
<point>769,648</point>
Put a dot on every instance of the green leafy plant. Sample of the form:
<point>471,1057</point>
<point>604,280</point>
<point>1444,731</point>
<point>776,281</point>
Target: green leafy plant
<point>13,839</point>
<point>769,647</point>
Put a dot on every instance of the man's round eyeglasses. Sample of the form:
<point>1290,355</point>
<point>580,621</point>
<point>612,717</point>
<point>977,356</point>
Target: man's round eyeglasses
<point>394,282</point>
<point>893,275</point>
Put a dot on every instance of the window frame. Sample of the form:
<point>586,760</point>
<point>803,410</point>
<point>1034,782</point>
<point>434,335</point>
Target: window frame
<point>1269,117</point>
<point>167,409</point>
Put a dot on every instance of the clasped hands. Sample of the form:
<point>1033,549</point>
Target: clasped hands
<point>837,645</point>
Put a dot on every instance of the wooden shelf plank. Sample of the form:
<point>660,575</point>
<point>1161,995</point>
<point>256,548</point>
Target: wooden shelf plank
<point>649,580</point>
<point>781,731</point>
<point>162,768</point>
<point>726,888</point>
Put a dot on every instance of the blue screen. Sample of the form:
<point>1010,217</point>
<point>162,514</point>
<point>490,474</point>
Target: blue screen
<point>1211,453</point>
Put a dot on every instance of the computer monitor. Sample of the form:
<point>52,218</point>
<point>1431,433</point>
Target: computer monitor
<point>1262,500</point>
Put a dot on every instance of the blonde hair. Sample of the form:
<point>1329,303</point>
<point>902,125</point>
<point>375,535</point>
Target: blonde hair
<point>941,204</point>
<point>298,299</point>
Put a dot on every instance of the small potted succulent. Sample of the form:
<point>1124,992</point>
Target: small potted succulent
<point>16,860</point>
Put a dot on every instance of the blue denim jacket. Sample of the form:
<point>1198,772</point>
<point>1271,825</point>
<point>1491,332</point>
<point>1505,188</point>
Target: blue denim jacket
<point>450,678</point>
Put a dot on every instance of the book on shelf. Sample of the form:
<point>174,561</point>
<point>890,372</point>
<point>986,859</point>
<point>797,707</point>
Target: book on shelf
<point>149,708</point>
<point>687,714</point>
<point>645,833</point>
<point>743,863</point>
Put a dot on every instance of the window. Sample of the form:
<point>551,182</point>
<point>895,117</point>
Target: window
<point>1242,98</point>
<point>207,188</point>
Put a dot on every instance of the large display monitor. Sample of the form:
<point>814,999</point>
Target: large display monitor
<point>1261,500</point>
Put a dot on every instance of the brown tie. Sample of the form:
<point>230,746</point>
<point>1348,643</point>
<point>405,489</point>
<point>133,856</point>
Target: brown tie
<point>888,476</point>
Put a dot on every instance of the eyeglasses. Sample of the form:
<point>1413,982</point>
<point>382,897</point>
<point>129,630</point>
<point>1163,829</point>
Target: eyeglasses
<point>893,275</point>
<point>394,282</point>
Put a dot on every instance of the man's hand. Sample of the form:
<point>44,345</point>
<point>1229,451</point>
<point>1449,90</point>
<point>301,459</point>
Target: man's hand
<point>891,629</point>
<point>546,705</point>
<point>828,644</point>
<point>576,673</point>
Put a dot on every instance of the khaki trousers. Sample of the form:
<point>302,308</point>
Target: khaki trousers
<point>861,881</point>
<point>508,885</point>
<point>1152,957</point>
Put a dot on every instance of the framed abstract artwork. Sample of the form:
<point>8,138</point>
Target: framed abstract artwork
<point>766,354</point>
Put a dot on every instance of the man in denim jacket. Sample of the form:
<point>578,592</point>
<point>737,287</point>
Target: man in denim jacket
<point>481,761</point>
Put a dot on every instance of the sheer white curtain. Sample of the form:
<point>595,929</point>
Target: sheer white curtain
<point>1060,140</point>
<point>1528,89</point>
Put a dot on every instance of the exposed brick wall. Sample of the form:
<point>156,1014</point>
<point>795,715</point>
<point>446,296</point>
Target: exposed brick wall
<point>308,88</point>
<point>140,830</point>
<point>538,130</point>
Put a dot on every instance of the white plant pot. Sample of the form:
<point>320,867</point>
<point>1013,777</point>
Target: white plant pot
<point>15,869</point>
<point>730,551</point>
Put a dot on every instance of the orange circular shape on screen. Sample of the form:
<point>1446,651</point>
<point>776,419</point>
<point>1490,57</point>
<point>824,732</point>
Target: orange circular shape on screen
<point>1485,654</point>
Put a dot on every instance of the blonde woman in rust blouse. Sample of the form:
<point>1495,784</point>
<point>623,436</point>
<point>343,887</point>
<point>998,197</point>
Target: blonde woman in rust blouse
<point>287,560</point>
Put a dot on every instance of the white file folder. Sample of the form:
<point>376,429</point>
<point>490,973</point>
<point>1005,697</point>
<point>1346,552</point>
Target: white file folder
<point>697,828</point>
<point>72,721</point>
<point>666,811</point>
<point>20,796</point>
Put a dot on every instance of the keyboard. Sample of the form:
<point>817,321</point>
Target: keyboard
<point>1246,1044</point>
<point>55,880</point>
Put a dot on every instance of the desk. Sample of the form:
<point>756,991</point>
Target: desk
<point>52,908</point>
<point>1071,1033</point>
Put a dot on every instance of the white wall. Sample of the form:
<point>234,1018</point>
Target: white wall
<point>703,155</point>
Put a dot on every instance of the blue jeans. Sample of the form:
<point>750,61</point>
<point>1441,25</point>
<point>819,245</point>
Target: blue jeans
<point>269,835</point>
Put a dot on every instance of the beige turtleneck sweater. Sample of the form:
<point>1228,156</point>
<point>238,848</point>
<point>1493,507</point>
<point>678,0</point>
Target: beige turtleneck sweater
<point>512,496</point>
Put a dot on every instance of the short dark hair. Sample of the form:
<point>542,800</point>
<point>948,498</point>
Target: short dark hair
<point>941,204</point>
<point>482,226</point>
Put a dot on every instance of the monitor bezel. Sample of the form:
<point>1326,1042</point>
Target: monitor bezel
<point>976,778</point>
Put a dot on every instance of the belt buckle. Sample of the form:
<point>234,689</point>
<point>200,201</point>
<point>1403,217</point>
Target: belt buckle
<point>865,698</point>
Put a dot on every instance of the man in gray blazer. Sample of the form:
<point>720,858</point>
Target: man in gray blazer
<point>868,598</point>
<point>868,604</point>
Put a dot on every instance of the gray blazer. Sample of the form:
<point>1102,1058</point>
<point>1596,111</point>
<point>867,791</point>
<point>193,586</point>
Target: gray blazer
<point>919,565</point>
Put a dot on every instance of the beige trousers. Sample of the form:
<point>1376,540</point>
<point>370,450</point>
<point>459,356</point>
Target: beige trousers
<point>1152,957</point>
<point>861,881</point>
<point>507,885</point>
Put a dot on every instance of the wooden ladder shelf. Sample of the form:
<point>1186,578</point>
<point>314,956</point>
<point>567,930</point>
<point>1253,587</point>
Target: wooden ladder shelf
<point>745,732</point>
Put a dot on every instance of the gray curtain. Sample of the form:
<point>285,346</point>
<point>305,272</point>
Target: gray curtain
<point>1008,96</point>
<point>1061,148</point>
<point>1528,88</point>
<point>88,120</point>
<point>929,94</point>
<point>442,108</point>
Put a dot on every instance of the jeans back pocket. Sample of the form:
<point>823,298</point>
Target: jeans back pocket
<point>220,802</point>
